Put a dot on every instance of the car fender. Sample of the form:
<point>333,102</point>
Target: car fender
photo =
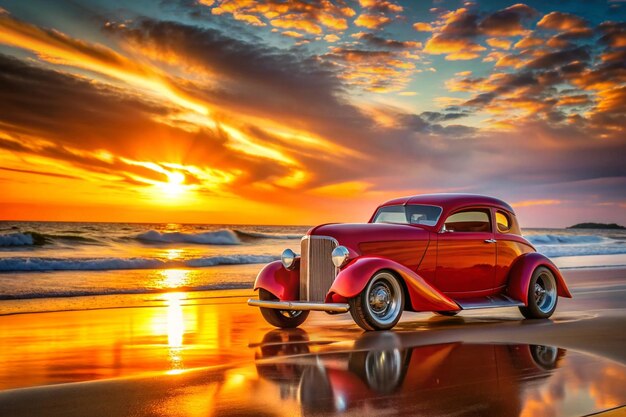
<point>522,271</point>
<point>353,278</point>
<point>283,283</point>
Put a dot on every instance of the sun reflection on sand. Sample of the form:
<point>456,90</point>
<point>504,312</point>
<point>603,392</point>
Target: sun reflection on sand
<point>175,330</point>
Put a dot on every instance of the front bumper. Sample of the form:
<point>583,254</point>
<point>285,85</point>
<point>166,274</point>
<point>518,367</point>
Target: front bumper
<point>300,305</point>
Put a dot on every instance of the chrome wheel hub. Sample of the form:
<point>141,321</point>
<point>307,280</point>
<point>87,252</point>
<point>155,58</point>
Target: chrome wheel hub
<point>540,293</point>
<point>384,298</point>
<point>380,298</point>
<point>545,292</point>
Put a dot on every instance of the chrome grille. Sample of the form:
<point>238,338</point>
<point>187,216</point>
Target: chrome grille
<point>317,271</point>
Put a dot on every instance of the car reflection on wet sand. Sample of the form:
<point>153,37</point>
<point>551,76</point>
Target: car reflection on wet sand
<point>443,379</point>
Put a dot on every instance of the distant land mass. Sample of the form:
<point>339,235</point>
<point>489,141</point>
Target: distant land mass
<point>597,226</point>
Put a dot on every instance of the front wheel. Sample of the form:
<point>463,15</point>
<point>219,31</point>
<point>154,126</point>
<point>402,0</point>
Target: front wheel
<point>542,295</point>
<point>379,306</point>
<point>286,319</point>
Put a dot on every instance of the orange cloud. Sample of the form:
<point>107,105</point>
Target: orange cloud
<point>292,22</point>
<point>377,71</point>
<point>575,100</point>
<point>529,203</point>
<point>372,21</point>
<point>423,27</point>
<point>458,31</point>
<point>383,6</point>
<point>499,43</point>
<point>296,14</point>
<point>454,49</point>
<point>561,21</point>
<point>529,42</point>
<point>292,34</point>
<point>612,100</point>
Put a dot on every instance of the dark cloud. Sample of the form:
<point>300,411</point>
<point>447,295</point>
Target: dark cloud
<point>507,21</point>
<point>429,123</point>
<point>560,58</point>
<point>377,41</point>
<point>457,38</point>
<point>613,34</point>
<point>441,117</point>
<point>260,67</point>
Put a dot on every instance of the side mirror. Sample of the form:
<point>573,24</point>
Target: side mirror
<point>444,229</point>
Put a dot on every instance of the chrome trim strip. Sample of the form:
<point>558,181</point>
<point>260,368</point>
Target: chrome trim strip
<point>299,305</point>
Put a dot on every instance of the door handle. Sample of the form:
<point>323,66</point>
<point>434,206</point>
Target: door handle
<point>490,241</point>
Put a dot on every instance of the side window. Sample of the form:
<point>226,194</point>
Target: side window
<point>503,222</point>
<point>469,221</point>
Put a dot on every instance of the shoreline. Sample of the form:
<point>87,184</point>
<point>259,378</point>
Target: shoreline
<point>154,298</point>
<point>178,349</point>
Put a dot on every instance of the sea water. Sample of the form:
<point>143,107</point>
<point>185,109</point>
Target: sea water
<point>54,259</point>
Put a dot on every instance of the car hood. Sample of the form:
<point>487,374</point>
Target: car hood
<point>353,234</point>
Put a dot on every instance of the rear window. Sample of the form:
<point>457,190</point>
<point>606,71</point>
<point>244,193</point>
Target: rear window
<point>503,222</point>
<point>469,221</point>
<point>409,214</point>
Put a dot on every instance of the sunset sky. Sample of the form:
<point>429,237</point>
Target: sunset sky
<point>301,112</point>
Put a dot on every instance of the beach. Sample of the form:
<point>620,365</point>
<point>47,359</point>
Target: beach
<point>208,353</point>
<point>227,208</point>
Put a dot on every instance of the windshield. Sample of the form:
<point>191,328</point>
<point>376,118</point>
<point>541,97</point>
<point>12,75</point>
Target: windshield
<point>409,214</point>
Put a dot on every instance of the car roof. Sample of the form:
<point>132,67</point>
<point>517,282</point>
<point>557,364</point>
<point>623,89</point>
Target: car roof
<point>451,201</point>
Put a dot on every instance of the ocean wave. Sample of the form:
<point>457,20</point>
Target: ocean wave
<point>40,239</point>
<point>220,237</point>
<point>258,235</point>
<point>122,291</point>
<point>553,251</point>
<point>16,239</point>
<point>553,239</point>
<point>556,245</point>
<point>23,264</point>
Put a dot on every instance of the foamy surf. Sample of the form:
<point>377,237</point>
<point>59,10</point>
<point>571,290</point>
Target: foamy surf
<point>220,237</point>
<point>25,264</point>
<point>557,245</point>
<point>49,293</point>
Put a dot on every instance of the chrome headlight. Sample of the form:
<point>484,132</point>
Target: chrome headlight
<point>288,258</point>
<point>340,256</point>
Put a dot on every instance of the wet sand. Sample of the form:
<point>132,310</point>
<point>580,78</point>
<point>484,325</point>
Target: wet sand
<point>198,354</point>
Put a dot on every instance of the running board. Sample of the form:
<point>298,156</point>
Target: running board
<point>492,301</point>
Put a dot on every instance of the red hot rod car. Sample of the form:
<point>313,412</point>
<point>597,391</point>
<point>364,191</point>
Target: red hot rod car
<point>440,252</point>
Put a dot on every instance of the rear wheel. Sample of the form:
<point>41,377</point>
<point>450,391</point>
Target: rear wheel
<point>542,295</point>
<point>285,319</point>
<point>379,305</point>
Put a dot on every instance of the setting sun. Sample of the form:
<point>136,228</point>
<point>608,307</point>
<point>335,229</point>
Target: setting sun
<point>175,185</point>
